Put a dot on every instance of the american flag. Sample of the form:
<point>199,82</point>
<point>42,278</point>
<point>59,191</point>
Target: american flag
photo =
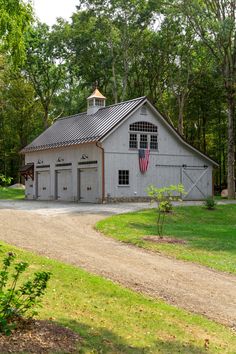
<point>143,159</point>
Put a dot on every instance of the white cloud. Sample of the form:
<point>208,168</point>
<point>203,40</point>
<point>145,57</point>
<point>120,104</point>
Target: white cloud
<point>48,10</point>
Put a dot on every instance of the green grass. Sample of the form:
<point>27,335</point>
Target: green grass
<point>210,235</point>
<point>10,193</point>
<point>111,319</point>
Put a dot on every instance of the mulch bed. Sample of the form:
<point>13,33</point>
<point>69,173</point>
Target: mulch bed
<point>40,337</point>
<point>164,239</point>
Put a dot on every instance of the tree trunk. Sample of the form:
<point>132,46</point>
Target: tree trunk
<point>115,93</point>
<point>45,118</point>
<point>180,129</point>
<point>231,147</point>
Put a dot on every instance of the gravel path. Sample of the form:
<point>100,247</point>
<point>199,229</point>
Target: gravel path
<point>72,239</point>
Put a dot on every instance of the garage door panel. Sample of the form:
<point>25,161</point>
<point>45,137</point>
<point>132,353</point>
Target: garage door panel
<point>43,185</point>
<point>88,185</point>
<point>64,186</point>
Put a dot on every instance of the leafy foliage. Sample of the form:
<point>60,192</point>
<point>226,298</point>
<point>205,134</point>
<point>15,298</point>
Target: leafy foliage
<point>15,19</point>
<point>210,203</point>
<point>164,197</point>
<point>4,180</point>
<point>17,302</point>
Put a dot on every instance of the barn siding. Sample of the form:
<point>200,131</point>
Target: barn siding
<point>171,151</point>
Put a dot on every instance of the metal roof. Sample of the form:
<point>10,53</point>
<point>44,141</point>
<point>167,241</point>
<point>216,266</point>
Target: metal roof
<point>83,128</point>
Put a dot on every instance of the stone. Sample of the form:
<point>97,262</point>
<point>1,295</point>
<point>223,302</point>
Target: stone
<point>17,186</point>
<point>224,193</point>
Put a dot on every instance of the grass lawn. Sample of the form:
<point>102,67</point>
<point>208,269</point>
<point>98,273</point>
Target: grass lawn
<point>111,319</point>
<point>210,235</point>
<point>10,193</point>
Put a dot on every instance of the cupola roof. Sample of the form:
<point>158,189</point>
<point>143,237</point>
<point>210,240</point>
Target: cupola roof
<point>96,94</point>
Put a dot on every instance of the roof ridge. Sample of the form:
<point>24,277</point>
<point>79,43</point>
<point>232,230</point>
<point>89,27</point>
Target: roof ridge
<point>117,104</point>
<point>71,116</point>
<point>111,105</point>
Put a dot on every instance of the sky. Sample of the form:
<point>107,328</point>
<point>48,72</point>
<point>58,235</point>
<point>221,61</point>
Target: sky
<point>48,10</point>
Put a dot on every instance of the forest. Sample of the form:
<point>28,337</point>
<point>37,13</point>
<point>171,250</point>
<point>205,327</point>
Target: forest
<point>181,54</point>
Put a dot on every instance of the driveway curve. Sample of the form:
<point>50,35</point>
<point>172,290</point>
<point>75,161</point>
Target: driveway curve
<point>71,238</point>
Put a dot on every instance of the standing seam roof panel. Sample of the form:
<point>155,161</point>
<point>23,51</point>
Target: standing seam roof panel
<point>83,128</point>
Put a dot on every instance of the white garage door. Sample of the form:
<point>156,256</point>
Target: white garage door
<point>64,189</point>
<point>43,185</point>
<point>88,183</point>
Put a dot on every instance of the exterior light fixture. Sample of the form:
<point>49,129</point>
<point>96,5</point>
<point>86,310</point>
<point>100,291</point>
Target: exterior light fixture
<point>60,159</point>
<point>40,161</point>
<point>84,157</point>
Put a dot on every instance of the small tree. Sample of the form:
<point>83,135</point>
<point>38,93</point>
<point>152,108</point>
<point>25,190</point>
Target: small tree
<point>164,197</point>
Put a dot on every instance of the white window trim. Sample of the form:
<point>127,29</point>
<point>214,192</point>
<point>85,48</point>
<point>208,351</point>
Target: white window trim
<point>148,140</point>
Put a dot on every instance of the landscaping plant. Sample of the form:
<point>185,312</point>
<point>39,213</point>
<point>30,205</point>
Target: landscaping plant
<point>164,197</point>
<point>18,302</point>
<point>4,180</point>
<point>210,203</point>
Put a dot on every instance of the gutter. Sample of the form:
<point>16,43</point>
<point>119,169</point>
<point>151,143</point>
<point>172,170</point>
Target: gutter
<point>99,145</point>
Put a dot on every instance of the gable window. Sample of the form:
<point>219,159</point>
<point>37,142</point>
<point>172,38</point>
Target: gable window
<point>143,144</point>
<point>153,142</point>
<point>143,135</point>
<point>143,127</point>
<point>143,110</point>
<point>123,178</point>
<point>133,142</point>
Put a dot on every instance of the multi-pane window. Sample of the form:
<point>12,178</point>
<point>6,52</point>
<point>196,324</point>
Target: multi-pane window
<point>99,102</point>
<point>133,143</point>
<point>153,142</point>
<point>143,143</point>
<point>143,127</point>
<point>91,103</point>
<point>123,178</point>
<point>143,135</point>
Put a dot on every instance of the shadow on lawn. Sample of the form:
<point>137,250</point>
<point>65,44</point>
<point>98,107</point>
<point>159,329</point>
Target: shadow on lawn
<point>102,340</point>
<point>215,239</point>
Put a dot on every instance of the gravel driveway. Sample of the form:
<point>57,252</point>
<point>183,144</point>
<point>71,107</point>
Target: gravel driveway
<point>65,232</point>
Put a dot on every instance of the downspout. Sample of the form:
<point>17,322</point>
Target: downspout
<point>103,171</point>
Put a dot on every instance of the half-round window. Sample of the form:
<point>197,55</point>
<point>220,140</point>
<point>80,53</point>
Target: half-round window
<point>143,127</point>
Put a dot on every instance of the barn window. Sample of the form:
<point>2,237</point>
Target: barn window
<point>143,135</point>
<point>143,110</point>
<point>153,142</point>
<point>133,143</point>
<point>143,144</point>
<point>123,178</point>
<point>143,127</point>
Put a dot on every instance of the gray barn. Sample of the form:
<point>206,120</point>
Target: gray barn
<point>112,154</point>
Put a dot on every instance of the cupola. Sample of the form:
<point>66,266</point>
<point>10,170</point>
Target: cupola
<point>95,102</point>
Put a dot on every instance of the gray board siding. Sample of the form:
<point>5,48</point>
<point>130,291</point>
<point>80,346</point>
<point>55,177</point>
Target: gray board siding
<point>83,128</point>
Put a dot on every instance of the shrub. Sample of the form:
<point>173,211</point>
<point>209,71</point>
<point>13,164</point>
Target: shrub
<point>18,302</point>
<point>4,180</point>
<point>210,203</point>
